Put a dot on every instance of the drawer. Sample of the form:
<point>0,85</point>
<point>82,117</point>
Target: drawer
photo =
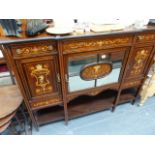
<point>73,46</point>
<point>128,84</point>
<point>147,37</point>
<point>33,49</point>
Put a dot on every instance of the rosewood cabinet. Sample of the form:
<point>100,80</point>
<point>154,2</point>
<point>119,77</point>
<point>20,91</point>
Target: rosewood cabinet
<point>66,77</point>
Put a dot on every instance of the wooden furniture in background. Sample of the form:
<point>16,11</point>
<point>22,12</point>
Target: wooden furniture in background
<point>6,75</point>
<point>10,100</point>
<point>70,76</point>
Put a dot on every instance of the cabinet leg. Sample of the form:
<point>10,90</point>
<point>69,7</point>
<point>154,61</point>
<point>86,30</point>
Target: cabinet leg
<point>66,113</point>
<point>36,127</point>
<point>66,122</point>
<point>113,108</point>
<point>133,102</point>
<point>116,101</point>
<point>35,124</point>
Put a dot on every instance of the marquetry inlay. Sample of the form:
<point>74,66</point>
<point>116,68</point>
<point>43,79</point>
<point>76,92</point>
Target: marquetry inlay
<point>88,93</point>
<point>41,72</point>
<point>77,46</point>
<point>93,93</point>
<point>146,37</point>
<point>95,71</point>
<point>133,83</point>
<point>44,103</point>
<point>140,58</point>
<point>34,49</point>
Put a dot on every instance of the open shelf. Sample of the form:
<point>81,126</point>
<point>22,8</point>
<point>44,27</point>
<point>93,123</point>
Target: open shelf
<point>90,104</point>
<point>51,114</point>
<point>84,105</point>
<point>127,95</point>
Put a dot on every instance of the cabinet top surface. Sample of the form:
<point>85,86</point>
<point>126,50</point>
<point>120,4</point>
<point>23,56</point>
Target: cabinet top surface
<point>45,36</point>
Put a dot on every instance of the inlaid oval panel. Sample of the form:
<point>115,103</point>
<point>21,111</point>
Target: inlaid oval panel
<point>95,71</point>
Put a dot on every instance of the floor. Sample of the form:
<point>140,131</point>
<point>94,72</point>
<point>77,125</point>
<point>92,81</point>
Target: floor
<point>126,120</point>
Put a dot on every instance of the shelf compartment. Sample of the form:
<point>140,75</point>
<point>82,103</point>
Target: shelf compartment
<point>85,105</point>
<point>127,95</point>
<point>51,114</point>
<point>80,106</point>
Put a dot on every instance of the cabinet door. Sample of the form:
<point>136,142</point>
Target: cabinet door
<point>139,61</point>
<point>40,77</point>
<point>87,70</point>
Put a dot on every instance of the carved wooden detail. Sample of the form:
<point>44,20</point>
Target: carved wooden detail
<point>40,73</point>
<point>70,47</point>
<point>140,58</point>
<point>44,103</point>
<point>34,50</point>
<point>94,93</point>
<point>146,37</point>
<point>95,71</point>
<point>89,93</point>
<point>69,98</point>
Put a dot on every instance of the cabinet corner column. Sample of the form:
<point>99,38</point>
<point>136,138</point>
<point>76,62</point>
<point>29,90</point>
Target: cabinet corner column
<point>63,81</point>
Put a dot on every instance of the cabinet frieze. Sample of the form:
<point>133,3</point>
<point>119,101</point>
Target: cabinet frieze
<point>96,44</point>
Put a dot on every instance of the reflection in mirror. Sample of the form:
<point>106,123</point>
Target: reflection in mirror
<point>75,81</point>
<point>76,64</point>
<point>113,77</point>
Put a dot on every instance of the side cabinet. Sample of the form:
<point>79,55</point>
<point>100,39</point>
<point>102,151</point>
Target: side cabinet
<point>41,79</point>
<point>38,68</point>
<point>138,62</point>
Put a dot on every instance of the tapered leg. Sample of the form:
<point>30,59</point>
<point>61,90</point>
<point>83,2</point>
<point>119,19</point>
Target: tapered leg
<point>66,113</point>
